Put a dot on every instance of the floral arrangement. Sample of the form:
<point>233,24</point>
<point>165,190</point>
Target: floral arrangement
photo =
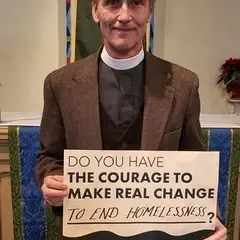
<point>230,76</point>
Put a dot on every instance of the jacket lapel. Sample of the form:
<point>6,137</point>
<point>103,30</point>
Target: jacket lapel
<point>87,93</point>
<point>158,101</point>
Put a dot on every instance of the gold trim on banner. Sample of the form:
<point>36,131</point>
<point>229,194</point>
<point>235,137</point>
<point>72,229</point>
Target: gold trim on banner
<point>73,28</point>
<point>209,136</point>
<point>229,175</point>
<point>6,214</point>
<point>148,37</point>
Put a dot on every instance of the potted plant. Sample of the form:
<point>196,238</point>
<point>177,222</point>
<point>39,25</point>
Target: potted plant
<point>230,77</point>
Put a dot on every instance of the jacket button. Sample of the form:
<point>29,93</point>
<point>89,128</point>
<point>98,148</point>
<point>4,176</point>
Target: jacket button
<point>124,145</point>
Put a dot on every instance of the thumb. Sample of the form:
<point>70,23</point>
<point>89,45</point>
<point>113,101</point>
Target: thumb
<point>58,178</point>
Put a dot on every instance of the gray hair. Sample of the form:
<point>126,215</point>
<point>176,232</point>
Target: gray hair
<point>151,4</point>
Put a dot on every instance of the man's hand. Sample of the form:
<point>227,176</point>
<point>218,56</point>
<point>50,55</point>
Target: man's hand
<point>220,232</point>
<point>54,190</point>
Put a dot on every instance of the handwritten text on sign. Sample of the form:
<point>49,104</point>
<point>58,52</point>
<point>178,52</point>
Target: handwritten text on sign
<point>145,190</point>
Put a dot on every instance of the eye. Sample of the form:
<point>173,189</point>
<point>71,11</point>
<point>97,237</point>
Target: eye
<point>111,2</point>
<point>137,2</point>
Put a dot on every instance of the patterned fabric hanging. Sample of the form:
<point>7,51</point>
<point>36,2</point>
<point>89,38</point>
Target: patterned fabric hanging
<point>151,35</point>
<point>71,13</point>
<point>32,219</point>
<point>68,30</point>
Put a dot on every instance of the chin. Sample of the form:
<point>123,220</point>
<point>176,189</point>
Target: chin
<point>123,46</point>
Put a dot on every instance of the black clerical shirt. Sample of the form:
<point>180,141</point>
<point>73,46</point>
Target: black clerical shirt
<point>121,92</point>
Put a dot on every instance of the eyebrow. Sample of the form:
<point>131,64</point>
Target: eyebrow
<point>143,1</point>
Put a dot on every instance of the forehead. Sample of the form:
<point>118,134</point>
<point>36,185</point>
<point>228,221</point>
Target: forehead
<point>128,1</point>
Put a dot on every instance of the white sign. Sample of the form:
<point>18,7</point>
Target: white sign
<point>132,192</point>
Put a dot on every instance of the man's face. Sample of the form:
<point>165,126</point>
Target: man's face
<point>122,22</point>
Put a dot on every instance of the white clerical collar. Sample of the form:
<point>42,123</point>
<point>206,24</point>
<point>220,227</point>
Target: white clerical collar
<point>122,64</point>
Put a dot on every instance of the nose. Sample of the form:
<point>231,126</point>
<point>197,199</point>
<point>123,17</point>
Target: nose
<point>124,13</point>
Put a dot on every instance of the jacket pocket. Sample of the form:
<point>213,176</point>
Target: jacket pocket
<point>170,140</point>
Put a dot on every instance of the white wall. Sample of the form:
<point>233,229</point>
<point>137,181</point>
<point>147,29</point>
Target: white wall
<point>29,50</point>
<point>200,35</point>
<point>159,26</point>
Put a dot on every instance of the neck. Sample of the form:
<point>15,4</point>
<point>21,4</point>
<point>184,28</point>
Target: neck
<point>122,64</point>
<point>123,54</point>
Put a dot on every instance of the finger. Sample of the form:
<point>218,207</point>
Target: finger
<point>58,178</point>
<point>54,200</point>
<point>46,198</point>
<point>219,234</point>
<point>53,203</point>
<point>221,229</point>
<point>53,193</point>
<point>55,182</point>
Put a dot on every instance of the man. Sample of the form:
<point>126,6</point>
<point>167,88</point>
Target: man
<point>118,98</point>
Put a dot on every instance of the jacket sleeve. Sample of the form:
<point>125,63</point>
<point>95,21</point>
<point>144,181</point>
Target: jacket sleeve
<point>52,137</point>
<point>191,137</point>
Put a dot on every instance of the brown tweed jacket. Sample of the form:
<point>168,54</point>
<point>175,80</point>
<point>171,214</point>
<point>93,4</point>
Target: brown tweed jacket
<point>71,119</point>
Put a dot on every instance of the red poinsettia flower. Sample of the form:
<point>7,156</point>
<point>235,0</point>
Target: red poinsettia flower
<point>225,71</point>
<point>230,74</point>
<point>238,63</point>
<point>232,61</point>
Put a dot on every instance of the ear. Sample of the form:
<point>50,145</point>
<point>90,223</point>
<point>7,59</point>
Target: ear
<point>95,13</point>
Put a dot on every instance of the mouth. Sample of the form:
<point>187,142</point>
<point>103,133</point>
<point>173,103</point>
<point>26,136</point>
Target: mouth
<point>124,29</point>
